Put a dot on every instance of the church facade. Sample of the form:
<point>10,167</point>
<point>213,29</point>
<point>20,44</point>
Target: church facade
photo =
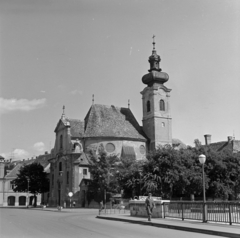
<point>112,128</point>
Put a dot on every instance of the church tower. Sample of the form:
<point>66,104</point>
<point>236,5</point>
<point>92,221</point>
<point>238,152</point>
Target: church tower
<point>157,121</point>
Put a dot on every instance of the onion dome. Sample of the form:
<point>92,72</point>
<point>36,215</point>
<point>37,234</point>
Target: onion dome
<point>155,75</point>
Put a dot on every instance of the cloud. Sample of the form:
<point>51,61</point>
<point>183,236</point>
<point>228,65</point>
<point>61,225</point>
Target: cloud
<point>74,92</point>
<point>39,146</point>
<point>17,154</point>
<point>42,91</point>
<point>11,105</point>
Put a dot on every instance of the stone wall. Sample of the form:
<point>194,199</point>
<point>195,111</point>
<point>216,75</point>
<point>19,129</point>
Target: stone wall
<point>138,209</point>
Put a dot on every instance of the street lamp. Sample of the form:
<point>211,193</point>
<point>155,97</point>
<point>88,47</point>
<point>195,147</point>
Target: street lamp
<point>202,159</point>
<point>28,191</point>
<point>70,194</point>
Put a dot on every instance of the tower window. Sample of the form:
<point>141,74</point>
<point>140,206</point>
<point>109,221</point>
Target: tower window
<point>148,106</point>
<point>61,141</point>
<point>60,167</point>
<point>162,105</point>
<point>67,177</point>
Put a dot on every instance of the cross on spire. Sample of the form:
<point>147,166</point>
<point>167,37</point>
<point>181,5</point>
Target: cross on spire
<point>153,42</point>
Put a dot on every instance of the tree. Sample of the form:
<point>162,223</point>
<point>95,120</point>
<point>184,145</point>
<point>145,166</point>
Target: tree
<point>104,178</point>
<point>38,180</point>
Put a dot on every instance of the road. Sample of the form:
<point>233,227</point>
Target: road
<point>19,223</point>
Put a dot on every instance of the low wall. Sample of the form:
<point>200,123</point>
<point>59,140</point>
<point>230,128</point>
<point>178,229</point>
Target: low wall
<point>138,209</point>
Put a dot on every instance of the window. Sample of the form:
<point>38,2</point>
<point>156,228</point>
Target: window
<point>163,124</point>
<point>61,141</point>
<point>148,106</point>
<point>162,105</point>
<point>12,185</point>
<point>142,149</point>
<point>67,177</point>
<point>60,168</point>
<point>84,171</point>
<point>110,147</point>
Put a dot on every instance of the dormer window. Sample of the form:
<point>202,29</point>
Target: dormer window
<point>162,105</point>
<point>148,106</point>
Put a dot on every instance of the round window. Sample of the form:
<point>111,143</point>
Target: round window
<point>110,147</point>
<point>142,149</point>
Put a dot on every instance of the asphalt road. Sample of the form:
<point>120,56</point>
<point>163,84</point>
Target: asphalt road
<point>82,224</point>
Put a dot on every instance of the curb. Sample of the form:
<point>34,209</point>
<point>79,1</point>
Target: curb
<point>189,229</point>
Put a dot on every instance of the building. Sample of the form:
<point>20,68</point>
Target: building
<point>230,145</point>
<point>113,128</point>
<point>8,172</point>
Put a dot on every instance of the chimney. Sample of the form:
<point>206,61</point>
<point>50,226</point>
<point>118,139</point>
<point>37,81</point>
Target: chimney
<point>207,139</point>
<point>230,138</point>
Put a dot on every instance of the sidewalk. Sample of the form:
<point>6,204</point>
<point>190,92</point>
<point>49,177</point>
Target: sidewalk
<point>217,229</point>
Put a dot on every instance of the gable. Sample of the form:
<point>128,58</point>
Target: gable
<point>59,126</point>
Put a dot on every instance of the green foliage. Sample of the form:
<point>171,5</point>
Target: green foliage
<point>38,181</point>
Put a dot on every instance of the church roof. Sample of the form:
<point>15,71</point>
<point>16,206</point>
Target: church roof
<point>77,127</point>
<point>83,159</point>
<point>111,121</point>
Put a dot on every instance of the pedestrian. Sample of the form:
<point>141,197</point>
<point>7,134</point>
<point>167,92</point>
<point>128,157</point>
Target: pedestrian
<point>101,206</point>
<point>149,203</point>
<point>74,203</point>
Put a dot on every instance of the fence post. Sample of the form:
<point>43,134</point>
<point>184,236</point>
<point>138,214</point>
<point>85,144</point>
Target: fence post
<point>230,218</point>
<point>163,211</point>
<point>182,211</point>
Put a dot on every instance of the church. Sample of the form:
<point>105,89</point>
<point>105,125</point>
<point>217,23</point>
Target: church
<point>113,128</point>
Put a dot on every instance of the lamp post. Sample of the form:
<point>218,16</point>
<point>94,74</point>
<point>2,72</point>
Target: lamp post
<point>202,159</point>
<point>70,194</point>
<point>28,191</point>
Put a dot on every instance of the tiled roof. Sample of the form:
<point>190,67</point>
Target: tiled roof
<point>111,121</point>
<point>77,127</point>
<point>233,146</point>
<point>43,159</point>
<point>83,159</point>
<point>178,144</point>
<point>13,173</point>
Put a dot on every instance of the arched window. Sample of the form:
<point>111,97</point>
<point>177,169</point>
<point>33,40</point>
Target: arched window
<point>148,106</point>
<point>60,166</point>
<point>162,105</point>
<point>61,141</point>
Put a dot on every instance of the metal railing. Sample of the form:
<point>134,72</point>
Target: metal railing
<point>225,212</point>
<point>116,209</point>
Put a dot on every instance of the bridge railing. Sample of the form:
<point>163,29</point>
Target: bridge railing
<point>225,212</point>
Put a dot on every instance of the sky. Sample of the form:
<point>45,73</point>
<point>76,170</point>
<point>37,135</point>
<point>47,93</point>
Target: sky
<point>61,52</point>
